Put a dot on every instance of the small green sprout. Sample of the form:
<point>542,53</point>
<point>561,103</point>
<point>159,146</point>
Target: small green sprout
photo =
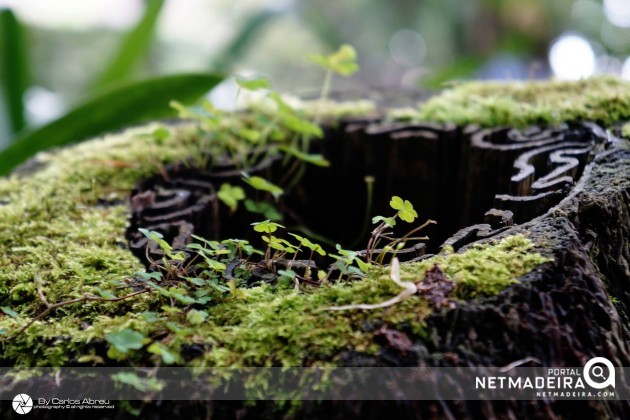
<point>161,134</point>
<point>262,184</point>
<point>287,276</point>
<point>405,209</point>
<point>252,84</point>
<point>294,121</point>
<point>314,159</point>
<point>280,244</point>
<point>389,221</point>
<point>158,238</point>
<point>268,210</point>
<point>266,226</point>
<point>162,351</point>
<point>345,261</point>
<point>406,212</point>
<point>343,61</point>
<point>231,195</point>
<point>238,247</point>
<point>196,317</point>
<point>310,245</point>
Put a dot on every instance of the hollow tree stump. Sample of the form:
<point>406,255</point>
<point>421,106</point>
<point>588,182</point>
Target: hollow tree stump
<point>567,187</point>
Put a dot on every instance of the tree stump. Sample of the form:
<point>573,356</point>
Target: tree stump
<point>566,187</point>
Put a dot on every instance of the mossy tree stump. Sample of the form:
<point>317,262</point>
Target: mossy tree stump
<point>535,221</point>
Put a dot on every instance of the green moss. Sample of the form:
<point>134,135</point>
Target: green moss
<point>625,130</point>
<point>264,326</point>
<point>485,270</point>
<point>602,99</point>
<point>56,224</point>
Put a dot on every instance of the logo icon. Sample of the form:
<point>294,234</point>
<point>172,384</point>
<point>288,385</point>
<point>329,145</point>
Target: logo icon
<point>593,370</point>
<point>22,404</point>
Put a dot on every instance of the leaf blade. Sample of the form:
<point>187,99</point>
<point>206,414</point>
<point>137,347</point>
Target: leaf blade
<point>133,47</point>
<point>118,107</point>
<point>13,68</point>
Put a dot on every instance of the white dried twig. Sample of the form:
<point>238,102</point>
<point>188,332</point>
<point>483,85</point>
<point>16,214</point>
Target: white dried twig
<point>410,289</point>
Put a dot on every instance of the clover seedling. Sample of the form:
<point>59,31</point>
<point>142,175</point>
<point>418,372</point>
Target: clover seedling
<point>262,207</point>
<point>405,209</point>
<point>343,61</point>
<point>231,195</point>
<point>252,84</point>
<point>405,212</point>
<point>314,159</point>
<point>266,226</point>
<point>310,245</point>
<point>294,121</point>
<point>388,221</point>
<point>280,244</point>
<point>162,351</point>
<point>287,276</point>
<point>239,246</point>
<point>262,184</point>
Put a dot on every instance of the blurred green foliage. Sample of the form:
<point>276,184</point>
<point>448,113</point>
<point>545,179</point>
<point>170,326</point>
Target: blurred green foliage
<point>133,48</point>
<point>115,97</point>
<point>401,43</point>
<point>14,73</point>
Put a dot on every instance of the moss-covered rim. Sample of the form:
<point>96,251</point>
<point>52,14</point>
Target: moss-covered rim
<point>604,99</point>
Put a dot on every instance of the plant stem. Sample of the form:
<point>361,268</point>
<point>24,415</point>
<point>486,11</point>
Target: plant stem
<point>425,224</point>
<point>369,184</point>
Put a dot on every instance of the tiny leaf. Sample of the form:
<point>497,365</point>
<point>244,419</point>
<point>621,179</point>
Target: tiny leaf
<point>10,312</point>
<point>231,195</point>
<point>407,213</point>
<point>396,203</point>
<point>125,340</point>
<point>266,226</point>
<point>196,317</point>
<point>161,350</point>
<point>343,61</point>
<point>254,83</point>
<point>262,184</point>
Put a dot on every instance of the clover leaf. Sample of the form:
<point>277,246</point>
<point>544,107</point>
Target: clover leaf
<point>231,195</point>
<point>343,61</point>
<point>405,209</point>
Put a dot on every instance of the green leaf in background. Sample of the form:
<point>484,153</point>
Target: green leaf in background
<point>253,83</point>
<point>262,184</point>
<point>231,195</point>
<point>14,72</point>
<point>118,107</point>
<point>133,47</point>
<point>245,34</point>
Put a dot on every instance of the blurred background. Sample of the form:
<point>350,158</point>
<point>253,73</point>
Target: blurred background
<point>57,53</point>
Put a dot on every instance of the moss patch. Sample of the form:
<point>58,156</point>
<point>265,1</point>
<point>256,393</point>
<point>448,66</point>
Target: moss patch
<point>602,99</point>
<point>261,326</point>
<point>65,223</point>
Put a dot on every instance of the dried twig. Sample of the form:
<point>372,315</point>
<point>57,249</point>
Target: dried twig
<point>410,289</point>
<point>52,307</point>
